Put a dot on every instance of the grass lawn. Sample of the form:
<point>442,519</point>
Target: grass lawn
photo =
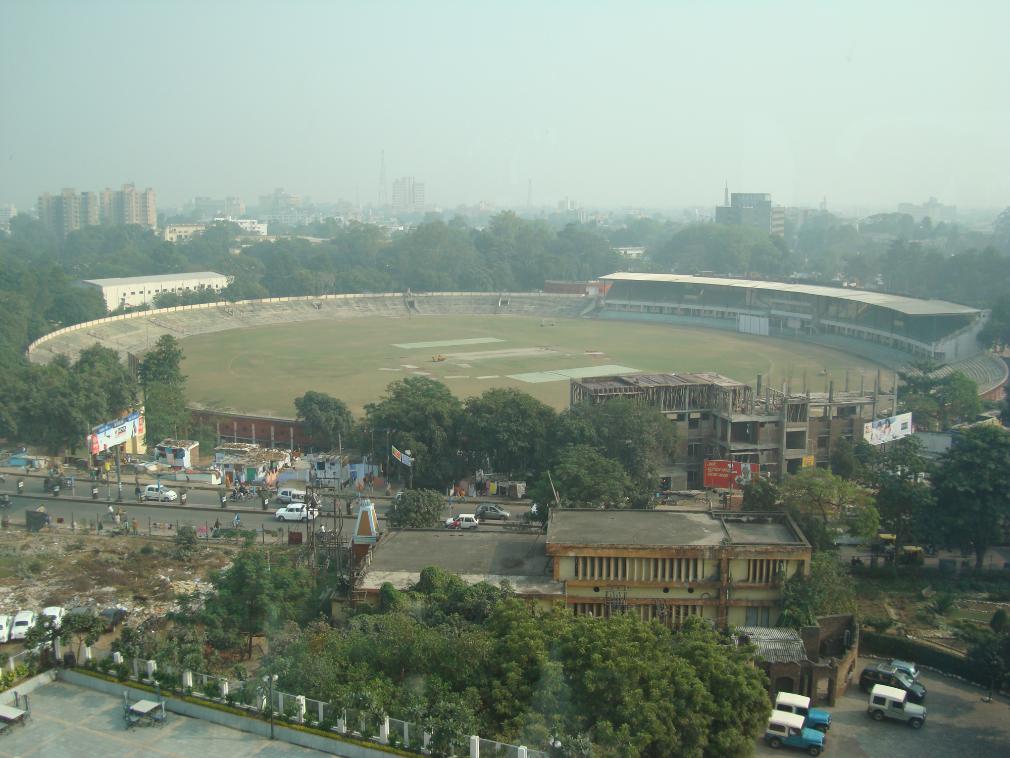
<point>261,370</point>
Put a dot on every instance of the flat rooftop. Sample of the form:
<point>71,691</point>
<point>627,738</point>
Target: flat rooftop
<point>632,528</point>
<point>475,555</point>
<point>910,306</point>
<point>659,380</point>
<point>74,721</point>
<point>155,278</point>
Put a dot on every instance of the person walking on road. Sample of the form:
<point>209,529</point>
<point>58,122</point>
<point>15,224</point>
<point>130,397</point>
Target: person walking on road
<point>236,522</point>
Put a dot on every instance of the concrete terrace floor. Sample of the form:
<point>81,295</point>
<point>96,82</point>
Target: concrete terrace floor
<point>72,721</point>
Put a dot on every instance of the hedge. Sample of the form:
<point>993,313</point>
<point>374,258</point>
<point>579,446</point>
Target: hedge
<point>889,646</point>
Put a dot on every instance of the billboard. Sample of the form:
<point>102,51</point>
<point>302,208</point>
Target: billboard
<point>888,429</point>
<point>116,432</point>
<point>729,474</point>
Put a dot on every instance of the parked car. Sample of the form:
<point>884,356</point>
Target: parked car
<point>23,621</point>
<point>162,494</point>
<point>906,667</point>
<point>491,512</point>
<point>891,703</point>
<point>5,628</point>
<point>112,617</point>
<point>54,614</point>
<point>787,729</point>
<point>288,495</point>
<point>295,512</point>
<point>814,718</point>
<point>462,521</point>
<point>881,673</point>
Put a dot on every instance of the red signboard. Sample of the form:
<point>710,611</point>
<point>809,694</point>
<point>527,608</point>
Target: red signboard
<point>729,474</point>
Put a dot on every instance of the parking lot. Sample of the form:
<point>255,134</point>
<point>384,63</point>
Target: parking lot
<point>958,723</point>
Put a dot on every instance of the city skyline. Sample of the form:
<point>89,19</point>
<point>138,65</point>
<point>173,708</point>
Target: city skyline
<point>645,105</point>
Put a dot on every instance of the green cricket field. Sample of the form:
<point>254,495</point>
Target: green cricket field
<point>261,370</point>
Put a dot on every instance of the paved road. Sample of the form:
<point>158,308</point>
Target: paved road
<point>85,512</point>
<point>203,499</point>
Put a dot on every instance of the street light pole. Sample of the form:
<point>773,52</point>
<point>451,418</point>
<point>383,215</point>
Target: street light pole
<point>270,679</point>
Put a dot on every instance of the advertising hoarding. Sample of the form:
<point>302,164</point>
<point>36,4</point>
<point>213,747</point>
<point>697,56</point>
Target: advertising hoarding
<point>888,429</point>
<point>116,432</point>
<point>729,474</point>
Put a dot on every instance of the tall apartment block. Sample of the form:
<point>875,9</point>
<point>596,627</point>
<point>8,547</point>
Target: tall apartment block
<point>70,210</point>
<point>753,209</point>
<point>408,195</point>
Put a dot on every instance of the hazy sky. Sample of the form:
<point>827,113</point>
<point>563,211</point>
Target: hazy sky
<point>612,104</point>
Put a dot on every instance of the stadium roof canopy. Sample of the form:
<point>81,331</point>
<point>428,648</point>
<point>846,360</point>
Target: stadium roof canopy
<point>910,306</point>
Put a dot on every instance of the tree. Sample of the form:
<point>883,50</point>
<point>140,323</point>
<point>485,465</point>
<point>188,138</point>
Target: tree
<point>824,504</point>
<point>972,486</point>
<point>417,509</point>
<point>937,402</point>
<point>110,389</point>
<point>163,364</point>
<point>958,399</point>
<point>327,419</point>
<point>827,590</point>
<point>904,498</point>
<point>634,434</point>
<point>164,391</point>
<point>583,478</point>
<point>51,412</point>
<point>507,431</point>
<point>252,596</point>
<point>422,416</point>
<point>843,460</point>
<point>760,494</point>
<point>83,628</point>
<point>186,542</point>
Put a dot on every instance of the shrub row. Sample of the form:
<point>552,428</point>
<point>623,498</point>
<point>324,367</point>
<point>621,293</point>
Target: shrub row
<point>888,646</point>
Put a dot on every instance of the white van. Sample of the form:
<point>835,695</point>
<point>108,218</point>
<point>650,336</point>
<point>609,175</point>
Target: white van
<point>5,628</point>
<point>157,492</point>
<point>291,496</point>
<point>23,621</point>
<point>892,703</point>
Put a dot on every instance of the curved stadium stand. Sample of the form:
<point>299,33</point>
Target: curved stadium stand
<point>887,328</point>
<point>134,333</point>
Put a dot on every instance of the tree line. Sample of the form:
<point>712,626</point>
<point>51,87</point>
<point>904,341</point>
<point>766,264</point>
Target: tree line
<point>55,405</point>
<point>458,659</point>
<point>604,454</point>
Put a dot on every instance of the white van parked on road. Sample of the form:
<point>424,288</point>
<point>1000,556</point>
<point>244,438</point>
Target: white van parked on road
<point>289,495</point>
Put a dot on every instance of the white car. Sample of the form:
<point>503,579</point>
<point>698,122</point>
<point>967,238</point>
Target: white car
<point>23,621</point>
<point>5,628</point>
<point>155,492</point>
<point>295,512</point>
<point>462,521</point>
<point>55,615</point>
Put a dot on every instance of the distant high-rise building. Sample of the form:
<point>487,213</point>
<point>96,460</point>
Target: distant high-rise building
<point>279,201</point>
<point>752,209</point>
<point>408,195</point>
<point>7,212</point>
<point>70,211</point>
<point>932,209</point>
<point>206,208</point>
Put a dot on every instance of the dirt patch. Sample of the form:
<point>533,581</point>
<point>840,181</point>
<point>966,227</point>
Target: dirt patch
<point>138,573</point>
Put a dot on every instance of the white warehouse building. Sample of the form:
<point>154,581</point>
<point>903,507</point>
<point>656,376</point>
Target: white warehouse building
<point>141,290</point>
